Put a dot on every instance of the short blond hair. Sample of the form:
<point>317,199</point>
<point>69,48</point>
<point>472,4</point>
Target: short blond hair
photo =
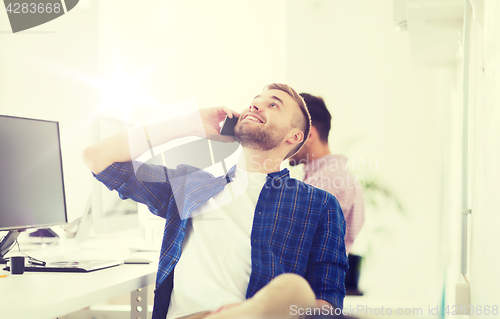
<point>301,122</point>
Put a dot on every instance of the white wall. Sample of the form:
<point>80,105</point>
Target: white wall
<point>220,52</point>
<point>485,153</point>
<point>385,109</point>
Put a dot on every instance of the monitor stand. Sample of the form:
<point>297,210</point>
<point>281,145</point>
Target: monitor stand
<point>7,242</point>
<point>45,233</point>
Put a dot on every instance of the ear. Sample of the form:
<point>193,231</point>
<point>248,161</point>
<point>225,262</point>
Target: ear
<point>295,137</point>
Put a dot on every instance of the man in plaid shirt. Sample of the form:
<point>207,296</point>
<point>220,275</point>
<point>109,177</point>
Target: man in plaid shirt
<point>254,242</point>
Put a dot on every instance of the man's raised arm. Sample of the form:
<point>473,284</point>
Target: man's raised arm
<point>117,148</point>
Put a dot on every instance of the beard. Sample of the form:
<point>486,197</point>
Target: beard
<point>263,138</point>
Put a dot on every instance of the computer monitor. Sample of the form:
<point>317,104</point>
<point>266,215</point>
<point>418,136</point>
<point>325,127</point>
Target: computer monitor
<point>109,212</point>
<point>31,177</point>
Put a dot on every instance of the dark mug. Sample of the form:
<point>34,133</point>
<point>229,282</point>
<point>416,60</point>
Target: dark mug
<point>17,265</point>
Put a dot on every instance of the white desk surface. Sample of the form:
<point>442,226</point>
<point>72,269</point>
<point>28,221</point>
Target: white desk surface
<point>48,295</point>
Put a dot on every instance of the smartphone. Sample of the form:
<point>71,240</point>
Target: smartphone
<point>228,126</point>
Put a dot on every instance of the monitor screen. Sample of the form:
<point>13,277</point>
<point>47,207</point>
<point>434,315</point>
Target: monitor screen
<point>31,176</point>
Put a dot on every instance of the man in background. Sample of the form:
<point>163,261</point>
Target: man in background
<point>328,171</point>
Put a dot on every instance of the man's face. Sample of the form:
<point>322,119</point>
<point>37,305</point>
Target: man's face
<point>266,122</point>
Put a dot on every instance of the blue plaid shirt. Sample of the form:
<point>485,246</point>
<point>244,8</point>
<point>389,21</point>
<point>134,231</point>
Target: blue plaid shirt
<point>296,228</point>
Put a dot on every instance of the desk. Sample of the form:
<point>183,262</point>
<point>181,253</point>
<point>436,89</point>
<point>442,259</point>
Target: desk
<point>45,295</point>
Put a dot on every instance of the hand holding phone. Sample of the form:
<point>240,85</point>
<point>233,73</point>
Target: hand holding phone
<point>228,126</point>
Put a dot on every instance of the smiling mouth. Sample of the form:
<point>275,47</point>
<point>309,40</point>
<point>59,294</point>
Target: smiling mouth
<point>253,118</point>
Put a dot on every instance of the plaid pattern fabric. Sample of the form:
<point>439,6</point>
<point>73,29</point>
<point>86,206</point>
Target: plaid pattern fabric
<point>296,229</point>
<point>331,174</point>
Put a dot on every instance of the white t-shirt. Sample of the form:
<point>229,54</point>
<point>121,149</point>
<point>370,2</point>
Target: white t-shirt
<point>215,263</point>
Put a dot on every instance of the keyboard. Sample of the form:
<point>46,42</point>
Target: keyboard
<point>72,266</point>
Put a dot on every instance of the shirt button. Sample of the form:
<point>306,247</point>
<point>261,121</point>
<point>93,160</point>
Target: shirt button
<point>172,262</point>
<point>183,229</point>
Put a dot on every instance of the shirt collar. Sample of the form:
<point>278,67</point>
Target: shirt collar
<point>230,175</point>
<point>284,173</point>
